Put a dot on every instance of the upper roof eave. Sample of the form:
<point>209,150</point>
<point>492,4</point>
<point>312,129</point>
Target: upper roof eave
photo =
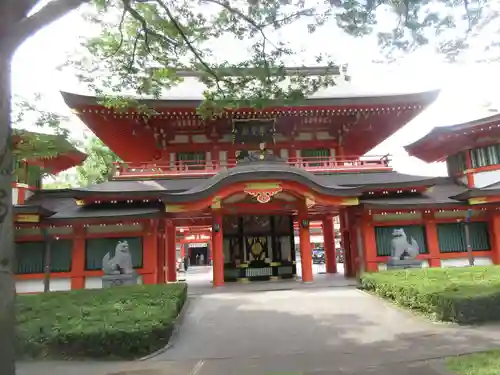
<point>431,137</point>
<point>423,98</point>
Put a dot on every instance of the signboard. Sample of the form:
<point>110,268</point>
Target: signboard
<point>27,218</point>
<point>253,131</point>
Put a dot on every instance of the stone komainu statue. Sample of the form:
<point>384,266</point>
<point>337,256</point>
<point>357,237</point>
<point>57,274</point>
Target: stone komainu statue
<point>120,263</point>
<point>401,248</point>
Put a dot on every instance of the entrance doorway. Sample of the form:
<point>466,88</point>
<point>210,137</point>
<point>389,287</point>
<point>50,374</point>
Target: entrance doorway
<point>198,256</point>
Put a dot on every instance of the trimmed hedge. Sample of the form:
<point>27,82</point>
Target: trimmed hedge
<point>119,323</point>
<point>465,295</point>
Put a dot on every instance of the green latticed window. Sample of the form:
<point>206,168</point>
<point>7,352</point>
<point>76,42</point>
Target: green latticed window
<point>384,238</point>
<point>30,256</point>
<point>484,156</point>
<point>195,160</point>
<point>96,249</point>
<point>451,237</point>
<point>315,153</point>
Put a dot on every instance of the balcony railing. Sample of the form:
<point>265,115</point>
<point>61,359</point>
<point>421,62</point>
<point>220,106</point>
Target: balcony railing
<point>189,168</point>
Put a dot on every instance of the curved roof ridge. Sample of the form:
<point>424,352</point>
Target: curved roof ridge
<point>261,171</point>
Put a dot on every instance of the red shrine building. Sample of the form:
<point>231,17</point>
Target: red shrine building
<point>29,171</point>
<point>249,189</point>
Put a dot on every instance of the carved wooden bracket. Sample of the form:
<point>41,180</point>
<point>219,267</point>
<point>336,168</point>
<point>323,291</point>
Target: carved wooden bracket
<point>263,194</point>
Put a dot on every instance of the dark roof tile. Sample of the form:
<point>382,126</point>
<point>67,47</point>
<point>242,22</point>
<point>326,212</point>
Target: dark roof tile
<point>436,196</point>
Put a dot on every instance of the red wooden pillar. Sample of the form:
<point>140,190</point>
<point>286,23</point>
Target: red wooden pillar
<point>494,230</point>
<point>353,240</point>
<point>345,243</point>
<point>161,252</point>
<point>369,243</point>
<point>149,249</point>
<point>305,247</point>
<point>171,252</point>
<point>329,242</point>
<point>468,165</point>
<point>78,258</point>
<point>217,250</point>
<point>431,236</point>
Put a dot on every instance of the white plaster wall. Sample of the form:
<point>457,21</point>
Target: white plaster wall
<point>200,138</point>
<point>279,137</point>
<point>172,161</point>
<point>463,262</point>
<point>323,135</point>
<point>209,159</point>
<point>482,179</point>
<point>304,137</point>
<point>180,138</point>
<point>93,282</point>
<point>36,286</point>
<point>15,195</point>
<point>223,158</point>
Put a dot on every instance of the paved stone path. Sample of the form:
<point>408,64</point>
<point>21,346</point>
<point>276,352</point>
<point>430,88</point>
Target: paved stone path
<point>313,331</point>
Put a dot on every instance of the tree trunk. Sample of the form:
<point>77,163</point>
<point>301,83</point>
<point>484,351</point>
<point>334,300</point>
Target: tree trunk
<point>7,282</point>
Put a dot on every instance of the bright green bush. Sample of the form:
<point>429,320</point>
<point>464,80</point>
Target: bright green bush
<point>464,295</point>
<point>121,322</point>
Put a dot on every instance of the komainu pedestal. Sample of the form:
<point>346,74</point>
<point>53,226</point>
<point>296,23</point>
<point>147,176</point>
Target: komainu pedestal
<point>403,263</point>
<point>117,280</point>
<point>403,252</point>
<point>118,268</point>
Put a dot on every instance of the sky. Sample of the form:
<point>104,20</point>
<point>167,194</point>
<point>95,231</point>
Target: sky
<point>467,89</point>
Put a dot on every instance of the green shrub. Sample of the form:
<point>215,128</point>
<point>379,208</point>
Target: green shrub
<point>462,295</point>
<point>121,322</point>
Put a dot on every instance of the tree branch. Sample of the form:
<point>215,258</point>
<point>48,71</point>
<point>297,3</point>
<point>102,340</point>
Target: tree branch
<point>48,14</point>
<point>192,48</point>
<point>147,30</point>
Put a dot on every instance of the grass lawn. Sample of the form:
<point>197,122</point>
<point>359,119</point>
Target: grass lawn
<point>121,322</point>
<point>464,295</point>
<point>487,363</point>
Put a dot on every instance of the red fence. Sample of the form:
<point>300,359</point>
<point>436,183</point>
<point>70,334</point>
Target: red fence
<point>209,168</point>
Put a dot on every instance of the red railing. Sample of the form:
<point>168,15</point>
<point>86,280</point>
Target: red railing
<point>209,168</point>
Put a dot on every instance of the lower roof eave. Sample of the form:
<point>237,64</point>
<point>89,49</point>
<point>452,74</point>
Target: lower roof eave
<point>477,193</point>
<point>117,216</point>
<point>422,205</point>
<point>31,210</point>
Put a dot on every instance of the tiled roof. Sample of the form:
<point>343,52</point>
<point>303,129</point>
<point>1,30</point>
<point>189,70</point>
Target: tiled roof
<point>438,195</point>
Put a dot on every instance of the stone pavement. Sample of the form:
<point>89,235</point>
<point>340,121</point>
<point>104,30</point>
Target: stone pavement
<point>315,331</point>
